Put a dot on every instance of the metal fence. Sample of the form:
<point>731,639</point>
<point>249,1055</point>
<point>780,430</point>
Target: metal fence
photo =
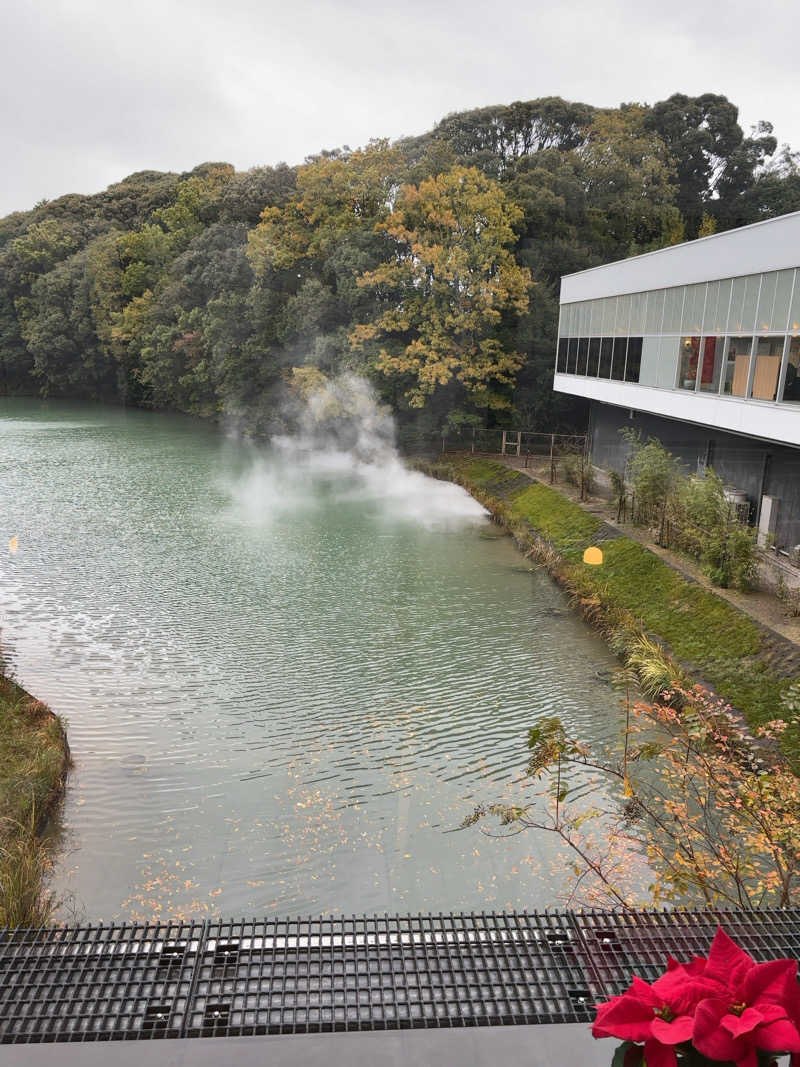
<point>517,443</point>
<point>218,979</point>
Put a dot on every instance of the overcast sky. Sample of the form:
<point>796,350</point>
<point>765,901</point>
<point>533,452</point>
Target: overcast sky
<point>95,89</point>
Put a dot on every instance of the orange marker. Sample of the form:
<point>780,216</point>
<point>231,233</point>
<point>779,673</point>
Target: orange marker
<point>13,545</point>
<point>593,556</point>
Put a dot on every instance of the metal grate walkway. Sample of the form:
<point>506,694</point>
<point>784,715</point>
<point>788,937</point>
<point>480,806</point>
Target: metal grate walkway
<point>219,979</point>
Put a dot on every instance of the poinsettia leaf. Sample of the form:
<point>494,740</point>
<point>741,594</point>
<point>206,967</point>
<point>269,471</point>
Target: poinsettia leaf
<point>622,1052</point>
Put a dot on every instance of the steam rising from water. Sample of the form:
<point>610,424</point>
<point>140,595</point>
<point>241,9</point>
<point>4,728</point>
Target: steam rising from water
<point>344,449</point>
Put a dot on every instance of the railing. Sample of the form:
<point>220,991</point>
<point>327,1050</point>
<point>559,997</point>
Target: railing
<point>518,443</point>
<point>557,456</point>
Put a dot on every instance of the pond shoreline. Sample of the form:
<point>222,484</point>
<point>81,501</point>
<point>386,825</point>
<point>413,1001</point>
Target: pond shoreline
<point>35,763</point>
<point>650,614</point>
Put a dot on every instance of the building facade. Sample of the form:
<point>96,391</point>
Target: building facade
<point>699,345</point>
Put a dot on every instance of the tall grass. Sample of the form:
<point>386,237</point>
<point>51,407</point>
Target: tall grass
<point>25,864</point>
<point>34,758</point>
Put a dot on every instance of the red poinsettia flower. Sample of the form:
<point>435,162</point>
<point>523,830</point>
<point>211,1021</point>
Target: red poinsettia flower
<point>760,1008</point>
<point>728,1006</point>
<point>661,1015</point>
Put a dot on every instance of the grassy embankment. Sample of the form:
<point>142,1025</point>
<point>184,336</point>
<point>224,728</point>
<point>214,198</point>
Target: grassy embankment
<point>34,759</point>
<point>659,622</point>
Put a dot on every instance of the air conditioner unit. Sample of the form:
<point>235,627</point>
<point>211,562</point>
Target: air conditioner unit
<point>739,503</point>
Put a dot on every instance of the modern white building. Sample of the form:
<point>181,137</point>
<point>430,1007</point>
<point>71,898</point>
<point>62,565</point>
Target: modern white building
<point>699,344</point>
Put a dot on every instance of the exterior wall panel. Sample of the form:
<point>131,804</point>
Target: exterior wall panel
<point>739,461</point>
<point>771,422</point>
<point>765,246</point>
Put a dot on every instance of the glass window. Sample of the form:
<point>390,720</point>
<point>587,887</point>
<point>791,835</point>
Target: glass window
<point>655,311</point>
<point>618,362</point>
<point>766,301</point>
<point>594,357</point>
<point>668,362</point>
<point>690,354</point>
<point>568,317</point>
<point>634,359</point>
<point>737,366</point>
<point>623,315</point>
<point>791,387</point>
<point>711,363</point>
<point>738,288</point>
<point>561,364</point>
<point>712,303</point>
<point>769,353</point>
<point>750,301</point>
<point>794,313</point>
<point>783,296</point>
<point>651,354</point>
<point>606,349</point>
<point>673,308</point>
<point>596,319</point>
<point>693,305</point>
<point>720,323</point>
<point>638,308</point>
<point>584,315</point>
<point>583,352</point>
<point>572,355</point>
<point>609,314</point>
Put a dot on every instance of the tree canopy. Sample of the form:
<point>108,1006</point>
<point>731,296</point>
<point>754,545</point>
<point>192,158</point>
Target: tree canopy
<point>430,265</point>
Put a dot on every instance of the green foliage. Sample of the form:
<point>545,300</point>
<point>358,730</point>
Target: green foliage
<point>789,597</point>
<point>199,291</point>
<point>729,555</point>
<point>700,518</point>
<point>716,165</point>
<point>448,280</point>
<point>652,471</point>
<point>555,517</point>
<point>707,529</point>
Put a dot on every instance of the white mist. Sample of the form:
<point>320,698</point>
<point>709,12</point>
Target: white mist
<point>344,449</point>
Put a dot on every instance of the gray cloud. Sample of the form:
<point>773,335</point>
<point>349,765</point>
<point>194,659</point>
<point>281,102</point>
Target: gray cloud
<point>99,88</point>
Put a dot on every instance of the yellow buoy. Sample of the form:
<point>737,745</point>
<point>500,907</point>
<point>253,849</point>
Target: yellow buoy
<point>593,556</point>
<point>13,545</point>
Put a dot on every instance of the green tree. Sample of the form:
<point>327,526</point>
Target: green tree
<point>443,294</point>
<point>715,163</point>
<point>629,183</point>
<point>337,195</point>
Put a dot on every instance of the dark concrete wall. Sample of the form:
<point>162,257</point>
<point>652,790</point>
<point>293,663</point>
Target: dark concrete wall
<point>756,467</point>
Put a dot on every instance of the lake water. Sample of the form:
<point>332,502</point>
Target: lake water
<point>285,682</point>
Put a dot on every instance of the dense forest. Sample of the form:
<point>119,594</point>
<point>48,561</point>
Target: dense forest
<point>430,265</point>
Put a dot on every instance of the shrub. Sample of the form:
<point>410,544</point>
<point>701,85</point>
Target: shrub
<point>718,824</point>
<point>789,597</point>
<point>652,471</point>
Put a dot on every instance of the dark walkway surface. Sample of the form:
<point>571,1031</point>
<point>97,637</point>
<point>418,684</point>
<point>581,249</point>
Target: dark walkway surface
<point>422,989</point>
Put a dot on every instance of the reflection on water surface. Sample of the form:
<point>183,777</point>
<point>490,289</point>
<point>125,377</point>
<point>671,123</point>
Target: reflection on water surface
<point>277,705</point>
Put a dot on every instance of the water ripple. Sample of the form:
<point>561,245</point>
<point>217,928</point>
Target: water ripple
<point>283,714</point>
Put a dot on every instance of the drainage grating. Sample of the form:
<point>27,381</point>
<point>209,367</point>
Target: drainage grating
<point>319,975</point>
<point>216,979</point>
<point>96,983</point>
<point>621,944</point>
